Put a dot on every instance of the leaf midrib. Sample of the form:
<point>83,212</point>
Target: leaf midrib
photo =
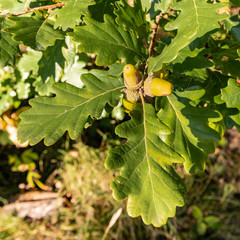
<point>183,129</point>
<point>73,108</point>
<point>117,45</point>
<point>146,155</point>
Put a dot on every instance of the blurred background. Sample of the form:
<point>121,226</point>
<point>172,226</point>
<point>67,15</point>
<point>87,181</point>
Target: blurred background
<point>63,191</point>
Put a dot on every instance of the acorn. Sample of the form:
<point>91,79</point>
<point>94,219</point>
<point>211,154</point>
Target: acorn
<point>154,87</point>
<point>132,77</point>
<point>130,99</point>
<point>128,104</point>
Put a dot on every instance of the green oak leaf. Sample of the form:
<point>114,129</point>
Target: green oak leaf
<point>74,65</point>
<point>229,67</point>
<point>193,93</point>
<point>233,118</point>
<point>233,24</point>
<point>43,88</point>
<point>12,6</point>
<point>8,48</point>
<point>73,73</point>
<point>225,56</point>
<point>52,61</point>
<point>236,33</point>
<point>151,185</point>
<point>69,14</point>
<point>192,63</point>
<point>133,18</point>
<point>116,69</point>
<point>231,94</point>
<point>69,110</point>
<point>216,84</point>
<point>213,85</point>
<point>70,51</point>
<point>35,32</point>
<point>29,61</point>
<point>195,20</point>
<point>6,100</point>
<point>153,6</point>
<point>100,8</point>
<point>109,41</point>
<point>191,135</point>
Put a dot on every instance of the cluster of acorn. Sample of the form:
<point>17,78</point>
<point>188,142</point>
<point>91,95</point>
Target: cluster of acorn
<point>154,85</point>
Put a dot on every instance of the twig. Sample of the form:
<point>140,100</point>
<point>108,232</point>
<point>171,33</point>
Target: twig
<point>150,49</point>
<point>49,7</point>
<point>112,222</point>
<point>154,34</point>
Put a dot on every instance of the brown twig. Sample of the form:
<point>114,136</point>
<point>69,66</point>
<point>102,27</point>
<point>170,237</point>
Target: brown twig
<point>49,7</point>
<point>154,34</point>
<point>150,49</point>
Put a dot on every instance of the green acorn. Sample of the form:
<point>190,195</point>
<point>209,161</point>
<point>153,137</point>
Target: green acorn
<point>157,87</point>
